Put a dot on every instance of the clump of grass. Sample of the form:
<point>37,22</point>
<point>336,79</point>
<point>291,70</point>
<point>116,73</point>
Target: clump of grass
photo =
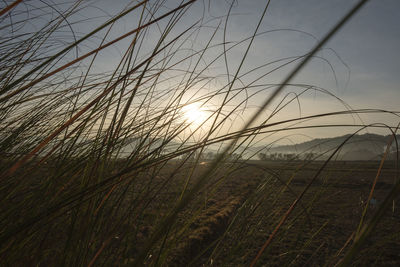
<point>99,167</point>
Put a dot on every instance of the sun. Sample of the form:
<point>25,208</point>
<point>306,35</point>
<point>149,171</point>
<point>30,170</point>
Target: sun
<point>194,114</point>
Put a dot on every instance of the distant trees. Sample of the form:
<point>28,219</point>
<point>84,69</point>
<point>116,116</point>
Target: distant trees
<point>290,156</point>
<point>273,156</point>
<point>263,156</point>
<point>191,156</point>
<point>235,156</point>
<point>309,156</point>
<point>278,156</point>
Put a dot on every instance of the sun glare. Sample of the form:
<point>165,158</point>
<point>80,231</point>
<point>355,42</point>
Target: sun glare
<point>194,114</point>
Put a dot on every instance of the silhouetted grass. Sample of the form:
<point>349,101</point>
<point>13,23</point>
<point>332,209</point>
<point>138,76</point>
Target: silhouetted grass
<point>103,168</point>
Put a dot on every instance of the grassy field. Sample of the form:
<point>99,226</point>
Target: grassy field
<point>232,226</point>
<point>226,223</point>
<point>126,139</point>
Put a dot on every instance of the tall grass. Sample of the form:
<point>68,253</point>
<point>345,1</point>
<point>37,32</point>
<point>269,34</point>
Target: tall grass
<point>101,167</point>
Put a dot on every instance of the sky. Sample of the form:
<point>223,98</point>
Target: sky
<point>359,65</point>
<point>368,45</point>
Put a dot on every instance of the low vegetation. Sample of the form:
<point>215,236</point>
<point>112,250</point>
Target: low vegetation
<point>104,167</point>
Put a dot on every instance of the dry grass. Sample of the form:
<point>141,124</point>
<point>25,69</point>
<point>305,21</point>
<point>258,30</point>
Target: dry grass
<point>101,167</point>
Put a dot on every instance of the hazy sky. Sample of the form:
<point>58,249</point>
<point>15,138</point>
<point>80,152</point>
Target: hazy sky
<point>360,65</point>
<point>364,55</point>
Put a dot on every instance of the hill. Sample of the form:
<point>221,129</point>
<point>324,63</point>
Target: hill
<point>359,147</point>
